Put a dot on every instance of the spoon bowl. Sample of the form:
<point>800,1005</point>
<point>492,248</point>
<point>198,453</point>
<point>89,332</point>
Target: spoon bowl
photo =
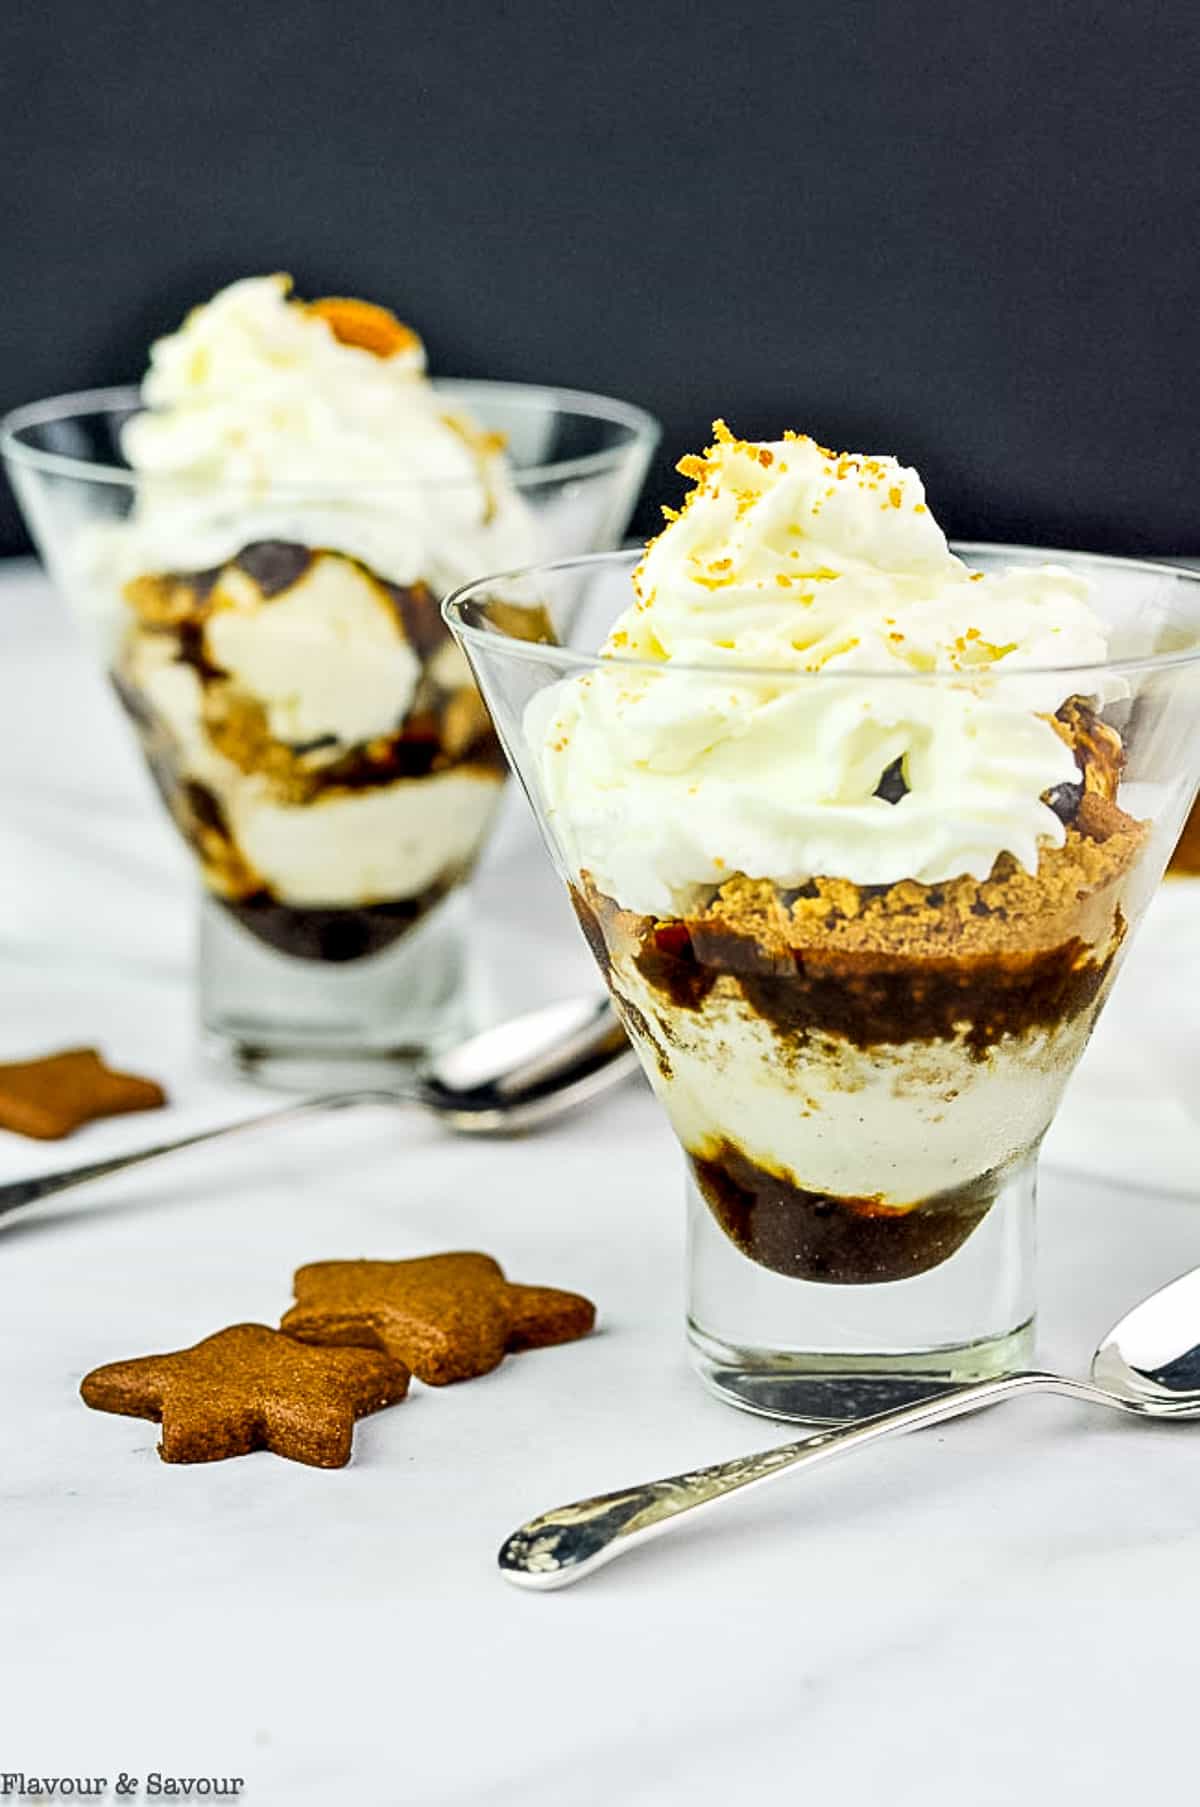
<point>1151,1358</point>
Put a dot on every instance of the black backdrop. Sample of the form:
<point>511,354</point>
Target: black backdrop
<point>964,232</point>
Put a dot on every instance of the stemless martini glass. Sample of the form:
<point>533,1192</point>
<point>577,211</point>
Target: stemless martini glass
<point>860,1079</point>
<point>333,863</point>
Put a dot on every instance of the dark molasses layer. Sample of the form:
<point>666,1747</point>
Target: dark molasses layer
<point>837,1241</point>
<point>274,565</point>
<point>331,936</point>
<point>870,999</point>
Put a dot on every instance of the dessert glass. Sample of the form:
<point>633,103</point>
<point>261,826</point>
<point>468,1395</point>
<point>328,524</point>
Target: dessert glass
<point>1185,861</point>
<point>861,1077</point>
<point>332,925</point>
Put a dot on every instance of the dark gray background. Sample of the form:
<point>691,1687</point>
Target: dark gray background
<point>964,233</point>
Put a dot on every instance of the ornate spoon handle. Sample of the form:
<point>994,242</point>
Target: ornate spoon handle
<point>570,1542</point>
<point>16,1193</point>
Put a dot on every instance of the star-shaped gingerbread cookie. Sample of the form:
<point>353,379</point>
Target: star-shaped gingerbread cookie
<point>50,1097</point>
<point>250,1388</point>
<point>447,1317</point>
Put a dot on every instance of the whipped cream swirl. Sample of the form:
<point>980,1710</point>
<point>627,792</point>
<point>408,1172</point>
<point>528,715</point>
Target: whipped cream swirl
<point>261,423</point>
<point>849,658</point>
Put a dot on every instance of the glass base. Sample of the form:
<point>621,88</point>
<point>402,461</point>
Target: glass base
<point>793,1342</point>
<point>840,1389</point>
<point>309,1025</point>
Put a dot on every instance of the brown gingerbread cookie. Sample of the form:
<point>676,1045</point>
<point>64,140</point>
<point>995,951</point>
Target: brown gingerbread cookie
<point>250,1388</point>
<point>48,1098</point>
<point>447,1317</point>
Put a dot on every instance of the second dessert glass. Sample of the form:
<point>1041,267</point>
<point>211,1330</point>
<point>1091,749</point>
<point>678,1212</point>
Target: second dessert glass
<point>860,1076</point>
<point>314,731</point>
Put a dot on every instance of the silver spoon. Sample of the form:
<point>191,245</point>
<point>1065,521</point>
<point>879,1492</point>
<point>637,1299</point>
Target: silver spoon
<point>511,1077</point>
<point>1148,1364</point>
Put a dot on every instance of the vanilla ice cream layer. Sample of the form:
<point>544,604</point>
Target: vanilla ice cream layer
<point>905,1121</point>
<point>801,629</point>
<point>350,849</point>
<point>327,657</point>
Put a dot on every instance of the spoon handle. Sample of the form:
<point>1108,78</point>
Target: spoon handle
<point>27,1192</point>
<point>569,1542</point>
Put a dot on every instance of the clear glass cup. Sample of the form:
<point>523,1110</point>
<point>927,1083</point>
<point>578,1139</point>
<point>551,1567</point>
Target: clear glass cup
<point>333,863</point>
<point>861,1107</point>
<point>1185,861</point>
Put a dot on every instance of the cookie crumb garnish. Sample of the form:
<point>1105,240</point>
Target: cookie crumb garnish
<point>365,324</point>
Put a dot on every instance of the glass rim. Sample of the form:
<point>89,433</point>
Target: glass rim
<point>568,658</point>
<point>643,429</point>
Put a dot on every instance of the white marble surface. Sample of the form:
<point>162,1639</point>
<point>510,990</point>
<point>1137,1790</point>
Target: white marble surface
<point>978,1615</point>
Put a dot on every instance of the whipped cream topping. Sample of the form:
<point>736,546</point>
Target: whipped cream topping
<point>874,651</point>
<point>261,423</point>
